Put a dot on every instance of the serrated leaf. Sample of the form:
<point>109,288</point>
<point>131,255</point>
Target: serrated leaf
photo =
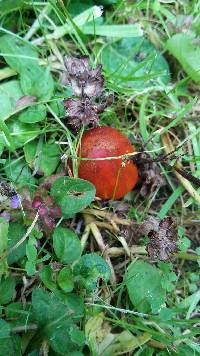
<point>18,314</point>
<point>43,158</point>
<point>184,49</point>
<point>47,307</point>
<point>7,289</point>
<point>34,113</point>
<point>143,282</point>
<point>72,194</point>
<point>65,280</point>
<point>89,269</point>
<point>61,340</point>
<point>135,63</point>
<point>66,245</point>
<point>55,307</point>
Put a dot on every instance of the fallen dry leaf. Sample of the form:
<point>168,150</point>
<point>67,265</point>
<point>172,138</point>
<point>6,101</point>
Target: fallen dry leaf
<point>163,240</point>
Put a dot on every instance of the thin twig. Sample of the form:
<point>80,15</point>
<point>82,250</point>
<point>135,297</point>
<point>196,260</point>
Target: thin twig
<point>120,251</point>
<point>121,310</point>
<point>85,236</point>
<point>108,216</point>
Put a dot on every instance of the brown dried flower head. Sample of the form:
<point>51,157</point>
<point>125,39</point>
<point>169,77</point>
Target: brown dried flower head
<point>83,80</point>
<point>81,112</point>
<point>87,84</point>
<point>84,111</point>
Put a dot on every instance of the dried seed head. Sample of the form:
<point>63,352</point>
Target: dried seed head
<point>85,111</point>
<point>81,112</point>
<point>84,80</point>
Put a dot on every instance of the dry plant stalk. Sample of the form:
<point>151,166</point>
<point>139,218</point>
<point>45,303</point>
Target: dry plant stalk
<point>169,147</point>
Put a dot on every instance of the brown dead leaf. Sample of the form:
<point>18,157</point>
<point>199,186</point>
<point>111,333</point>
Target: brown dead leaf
<point>150,174</point>
<point>163,240</point>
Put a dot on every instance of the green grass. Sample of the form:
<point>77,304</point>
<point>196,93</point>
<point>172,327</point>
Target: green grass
<point>92,310</point>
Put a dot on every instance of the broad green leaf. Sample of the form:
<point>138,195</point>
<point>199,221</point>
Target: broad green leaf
<point>31,251</point>
<point>18,53</point>
<point>135,63</point>
<point>66,338</point>
<point>4,329</point>
<point>77,336</point>
<point>2,143</point>
<point>37,81</point>
<point>143,282</point>
<point>43,158</point>
<point>3,245</point>
<point>47,307</point>
<point>10,92</point>
<point>30,267</point>
<point>65,280</point>
<point>19,173</point>
<point>18,314</point>
<point>72,194</point>
<point>66,245</point>
<point>15,232</point>
<point>58,107</point>
<point>7,6</point>
<point>34,113</point>
<point>22,57</point>
<point>183,47</point>
<point>22,133</point>
<point>89,269</point>
<point>74,302</point>
<point>7,289</point>
<point>10,344</point>
<point>47,277</point>
<point>55,307</point>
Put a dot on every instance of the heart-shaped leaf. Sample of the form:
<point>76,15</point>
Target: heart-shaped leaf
<point>72,194</point>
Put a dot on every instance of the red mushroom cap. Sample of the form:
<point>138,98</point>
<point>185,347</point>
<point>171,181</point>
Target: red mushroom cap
<point>112,178</point>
